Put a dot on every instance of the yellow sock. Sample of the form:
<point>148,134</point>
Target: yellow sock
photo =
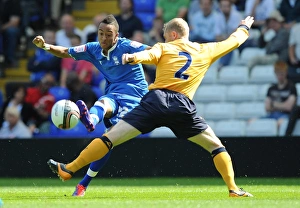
<point>94,151</point>
<point>223,164</point>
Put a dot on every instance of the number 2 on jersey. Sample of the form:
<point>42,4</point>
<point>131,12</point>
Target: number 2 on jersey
<point>179,74</point>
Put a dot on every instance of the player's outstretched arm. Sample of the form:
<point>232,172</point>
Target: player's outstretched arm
<point>58,51</point>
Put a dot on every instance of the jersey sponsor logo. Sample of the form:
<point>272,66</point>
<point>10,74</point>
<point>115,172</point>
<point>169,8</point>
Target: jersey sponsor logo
<point>79,49</point>
<point>135,44</point>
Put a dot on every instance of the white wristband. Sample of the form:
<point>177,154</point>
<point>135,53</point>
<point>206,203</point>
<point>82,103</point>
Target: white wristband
<point>46,47</point>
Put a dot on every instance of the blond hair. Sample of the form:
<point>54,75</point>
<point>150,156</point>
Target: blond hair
<point>13,111</point>
<point>178,25</point>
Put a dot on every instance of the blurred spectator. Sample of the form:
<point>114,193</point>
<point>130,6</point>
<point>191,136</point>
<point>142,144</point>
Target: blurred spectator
<point>67,25</point>
<point>203,22</point>
<point>17,99</point>
<point>33,16</point>
<point>290,10</point>
<point>294,54</point>
<point>260,10</point>
<point>42,62</point>
<point>240,5</point>
<point>14,128</point>
<point>274,38</point>
<point>294,116</point>
<point>91,31</point>
<point>226,23</point>
<point>282,96</point>
<point>156,32</point>
<point>131,26</point>
<point>169,9</point>
<point>83,68</point>
<point>79,90</point>
<point>42,101</point>
<point>59,7</point>
<point>10,29</point>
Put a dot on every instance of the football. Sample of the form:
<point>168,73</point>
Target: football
<point>65,114</point>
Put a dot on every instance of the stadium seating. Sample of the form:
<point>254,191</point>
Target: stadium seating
<point>233,74</point>
<point>262,127</point>
<point>79,131</point>
<point>162,132</point>
<point>248,53</point>
<point>145,10</point>
<point>282,127</point>
<point>248,110</point>
<point>262,74</point>
<point>200,108</point>
<point>59,93</point>
<point>296,131</point>
<point>219,110</point>
<point>262,91</point>
<point>240,93</point>
<point>230,128</point>
<point>210,93</point>
<point>210,76</point>
<point>298,93</point>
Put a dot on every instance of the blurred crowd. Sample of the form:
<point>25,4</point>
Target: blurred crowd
<point>25,110</point>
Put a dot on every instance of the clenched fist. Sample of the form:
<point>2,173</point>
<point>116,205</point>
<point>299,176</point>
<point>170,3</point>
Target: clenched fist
<point>39,41</point>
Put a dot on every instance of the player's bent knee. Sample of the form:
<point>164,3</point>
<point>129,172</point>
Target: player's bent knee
<point>217,151</point>
<point>107,142</point>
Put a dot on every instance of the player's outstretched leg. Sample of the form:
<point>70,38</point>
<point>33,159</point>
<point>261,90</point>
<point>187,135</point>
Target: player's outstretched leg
<point>85,117</point>
<point>96,150</point>
<point>91,173</point>
<point>223,163</point>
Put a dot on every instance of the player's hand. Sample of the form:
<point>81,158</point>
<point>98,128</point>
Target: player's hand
<point>39,41</point>
<point>127,58</point>
<point>248,21</point>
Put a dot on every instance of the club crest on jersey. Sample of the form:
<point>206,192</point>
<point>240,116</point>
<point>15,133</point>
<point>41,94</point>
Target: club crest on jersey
<point>135,44</point>
<point>116,60</point>
<point>79,49</point>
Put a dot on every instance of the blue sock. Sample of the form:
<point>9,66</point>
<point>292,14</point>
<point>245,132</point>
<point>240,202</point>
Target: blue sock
<point>97,113</point>
<point>94,169</point>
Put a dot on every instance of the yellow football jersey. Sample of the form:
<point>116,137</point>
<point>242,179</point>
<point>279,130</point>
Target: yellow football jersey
<point>181,64</point>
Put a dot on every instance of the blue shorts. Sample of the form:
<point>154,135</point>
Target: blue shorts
<point>162,107</point>
<point>121,104</point>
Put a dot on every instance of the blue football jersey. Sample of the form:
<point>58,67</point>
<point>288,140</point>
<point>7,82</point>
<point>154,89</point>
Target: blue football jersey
<point>123,79</point>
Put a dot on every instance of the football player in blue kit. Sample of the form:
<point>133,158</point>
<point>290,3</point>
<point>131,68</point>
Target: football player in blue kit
<point>125,84</point>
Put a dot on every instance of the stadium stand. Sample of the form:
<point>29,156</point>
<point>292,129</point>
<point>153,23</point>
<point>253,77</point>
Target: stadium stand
<point>262,127</point>
<point>145,10</point>
<point>248,53</point>
<point>162,132</point>
<point>233,74</point>
<point>211,93</point>
<point>219,111</point>
<point>248,110</point>
<point>262,74</point>
<point>230,128</point>
<point>233,93</point>
<point>240,93</point>
<point>59,93</point>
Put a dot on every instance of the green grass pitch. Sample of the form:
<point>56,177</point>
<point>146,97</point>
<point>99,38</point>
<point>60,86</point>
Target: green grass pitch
<point>149,192</point>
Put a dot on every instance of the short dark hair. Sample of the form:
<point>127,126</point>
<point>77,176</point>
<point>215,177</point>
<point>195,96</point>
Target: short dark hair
<point>111,20</point>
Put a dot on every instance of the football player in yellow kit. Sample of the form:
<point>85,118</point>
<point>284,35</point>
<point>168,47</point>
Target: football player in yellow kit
<point>181,66</point>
